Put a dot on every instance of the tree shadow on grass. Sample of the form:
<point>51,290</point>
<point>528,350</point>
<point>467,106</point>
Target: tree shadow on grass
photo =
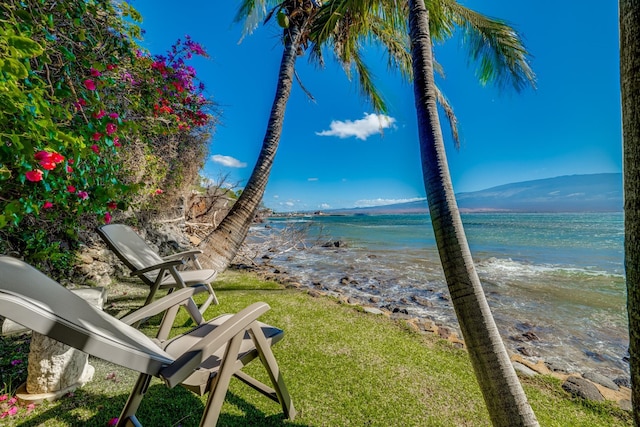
<point>161,406</point>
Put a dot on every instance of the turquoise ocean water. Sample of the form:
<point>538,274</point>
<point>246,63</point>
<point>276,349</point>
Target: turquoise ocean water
<point>556,278</point>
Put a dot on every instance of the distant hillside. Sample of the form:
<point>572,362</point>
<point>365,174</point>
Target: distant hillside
<point>571,193</point>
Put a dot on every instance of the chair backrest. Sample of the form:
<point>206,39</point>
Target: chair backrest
<point>32,299</point>
<point>129,247</point>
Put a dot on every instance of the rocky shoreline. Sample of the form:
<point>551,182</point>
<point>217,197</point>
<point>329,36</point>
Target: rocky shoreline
<point>587,385</point>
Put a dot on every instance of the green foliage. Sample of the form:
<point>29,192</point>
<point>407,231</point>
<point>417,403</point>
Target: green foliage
<point>80,106</point>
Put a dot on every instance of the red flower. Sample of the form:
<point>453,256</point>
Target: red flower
<point>111,67</point>
<point>107,218</point>
<point>95,149</point>
<point>112,206</point>
<point>116,141</point>
<point>34,175</point>
<point>111,128</point>
<point>71,189</point>
<point>113,116</point>
<point>96,136</point>
<point>113,422</point>
<point>83,195</point>
<point>158,191</point>
<point>69,169</point>
<point>57,157</point>
<point>47,205</point>
<point>100,114</point>
<point>95,73</point>
<point>90,84</point>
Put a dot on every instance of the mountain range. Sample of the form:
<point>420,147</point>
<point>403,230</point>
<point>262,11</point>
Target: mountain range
<point>571,193</point>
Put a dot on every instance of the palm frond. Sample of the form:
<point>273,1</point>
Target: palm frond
<point>495,46</point>
<point>451,117</point>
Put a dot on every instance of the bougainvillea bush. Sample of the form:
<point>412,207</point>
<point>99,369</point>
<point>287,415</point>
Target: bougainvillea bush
<point>90,123</point>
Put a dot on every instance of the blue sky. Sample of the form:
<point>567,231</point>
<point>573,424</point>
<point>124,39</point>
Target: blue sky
<point>331,156</point>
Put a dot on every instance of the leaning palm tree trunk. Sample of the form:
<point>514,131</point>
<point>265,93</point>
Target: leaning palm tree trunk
<point>222,244</point>
<point>630,91</point>
<point>503,394</point>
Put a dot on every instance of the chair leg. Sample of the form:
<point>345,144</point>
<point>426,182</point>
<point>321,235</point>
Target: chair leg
<point>211,299</point>
<point>271,365</point>
<point>128,414</point>
<point>220,383</point>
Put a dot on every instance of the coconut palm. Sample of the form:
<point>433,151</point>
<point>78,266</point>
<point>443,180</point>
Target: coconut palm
<point>630,91</point>
<point>295,16</point>
<point>502,59</point>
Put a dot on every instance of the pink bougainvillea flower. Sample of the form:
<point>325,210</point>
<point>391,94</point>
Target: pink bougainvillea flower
<point>113,422</point>
<point>4,397</point>
<point>83,195</point>
<point>107,218</point>
<point>111,67</point>
<point>31,407</point>
<point>15,362</point>
<point>95,73</point>
<point>12,411</point>
<point>90,84</point>
<point>69,169</point>
<point>47,205</point>
<point>13,400</point>
<point>116,141</point>
<point>112,206</point>
<point>79,104</point>
<point>42,155</point>
<point>71,189</point>
<point>34,175</point>
<point>113,115</point>
<point>95,149</point>
<point>158,191</point>
<point>96,136</point>
<point>99,114</point>
<point>111,128</point>
<point>71,161</point>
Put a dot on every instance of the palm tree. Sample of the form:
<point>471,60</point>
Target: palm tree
<point>630,92</point>
<point>222,244</point>
<point>502,59</point>
<point>503,394</point>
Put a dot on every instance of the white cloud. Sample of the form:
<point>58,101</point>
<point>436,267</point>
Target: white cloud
<point>228,161</point>
<point>276,196</point>
<point>312,179</point>
<point>361,129</point>
<point>325,206</point>
<point>288,204</point>
<point>382,202</point>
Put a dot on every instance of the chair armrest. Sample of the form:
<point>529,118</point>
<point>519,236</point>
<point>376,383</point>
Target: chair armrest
<point>161,266</point>
<point>180,255</point>
<point>180,296</point>
<point>191,359</point>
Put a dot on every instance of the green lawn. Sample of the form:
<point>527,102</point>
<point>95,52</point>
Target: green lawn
<point>343,367</point>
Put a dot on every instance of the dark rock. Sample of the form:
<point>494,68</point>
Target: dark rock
<point>623,382</point>
<point>276,271</point>
<point>582,388</point>
<point>344,281</point>
<point>265,256</point>
<point>400,310</point>
<point>525,351</point>
<point>442,296</point>
<point>374,299</point>
<point>595,356</point>
<point>421,301</point>
<point>602,380</point>
<point>353,282</point>
<point>530,336</point>
<point>444,332</point>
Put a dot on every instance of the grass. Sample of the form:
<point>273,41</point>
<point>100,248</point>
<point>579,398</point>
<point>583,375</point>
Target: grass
<point>343,367</point>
